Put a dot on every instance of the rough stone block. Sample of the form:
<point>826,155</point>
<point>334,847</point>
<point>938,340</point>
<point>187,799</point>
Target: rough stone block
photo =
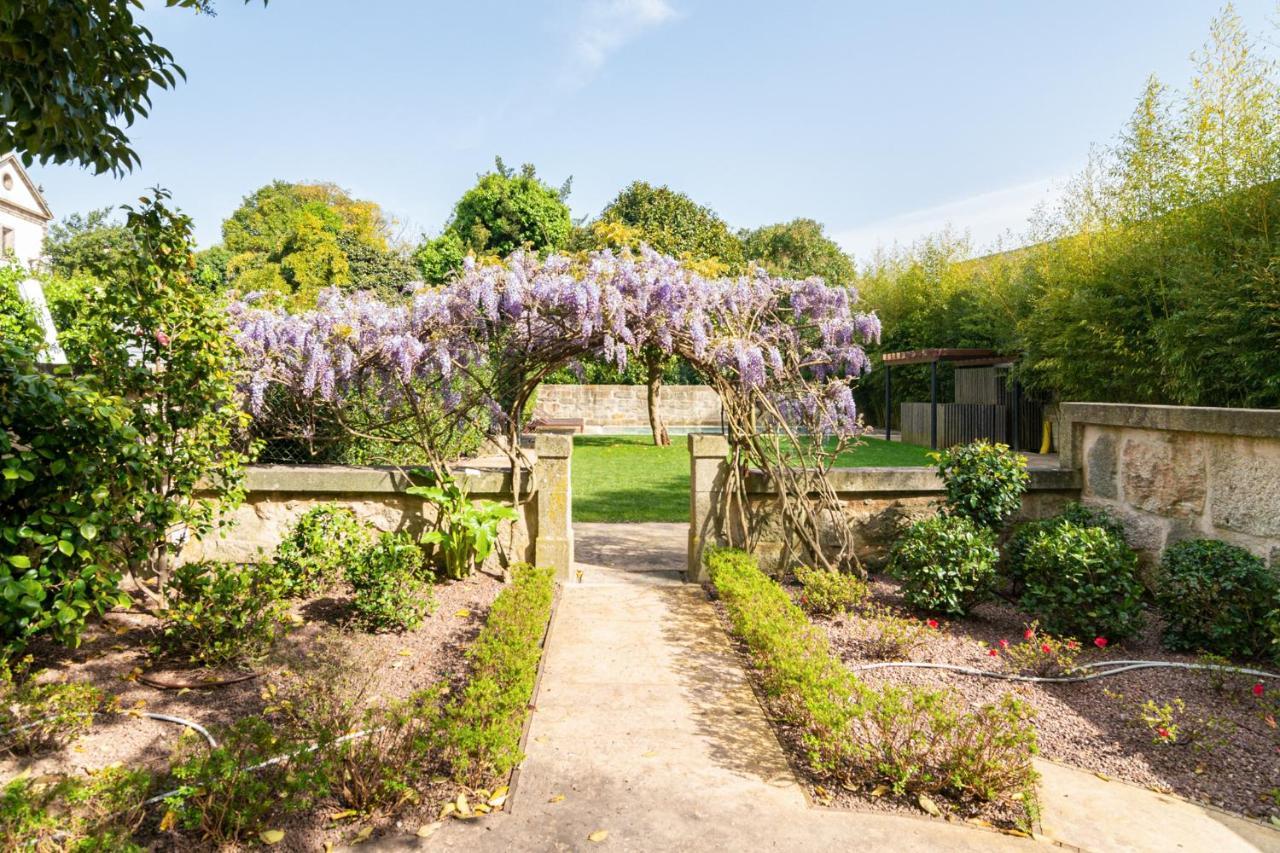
<point>1100,467</point>
<point>1246,486</point>
<point>1164,473</point>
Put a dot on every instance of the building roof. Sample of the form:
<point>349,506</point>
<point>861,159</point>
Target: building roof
<point>34,201</point>
<point>969,357</point>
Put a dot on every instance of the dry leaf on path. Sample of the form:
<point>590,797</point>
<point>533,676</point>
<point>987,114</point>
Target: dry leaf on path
<point>598,836</point>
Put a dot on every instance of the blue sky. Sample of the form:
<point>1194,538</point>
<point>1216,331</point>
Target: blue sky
<point>884,120</point>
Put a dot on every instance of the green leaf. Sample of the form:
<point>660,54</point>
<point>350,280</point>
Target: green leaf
<point>20,561</point>
<point>88,531</point>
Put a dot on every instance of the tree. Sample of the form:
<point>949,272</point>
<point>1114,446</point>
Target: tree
<point>798,249</point>
<point>672,223</point>
<point>293,240</point>
<point>93,243</point>
<point>506,210</point>
<point>156,338</point>
<point>73,71</point>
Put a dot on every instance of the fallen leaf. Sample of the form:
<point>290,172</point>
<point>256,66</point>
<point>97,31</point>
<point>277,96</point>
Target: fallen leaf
<point>463,613</point>
<point>598,836</point>
<point>556,798</point>
<point>449,808</point>
<point>405,653</point>
<point>463,806</point>
<point>169,820</point>
<point>1103,776</point>
<point>344,814</point>
<point>482,808</point>
<point>362,835</point>
<point>328,847</point>
<point>428,829</point>
<point>929,805</point>
<point>879,790</point>
<point>271,836</point>
<point>650,754</point>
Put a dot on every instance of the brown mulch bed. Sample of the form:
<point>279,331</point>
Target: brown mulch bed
<point>1082,725</point>
<point>113,656</point>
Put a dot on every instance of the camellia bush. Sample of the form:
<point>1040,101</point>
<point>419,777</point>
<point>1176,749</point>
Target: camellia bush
<point>780,352</point>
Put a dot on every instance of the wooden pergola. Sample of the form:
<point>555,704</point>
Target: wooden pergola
<point>960,358</point>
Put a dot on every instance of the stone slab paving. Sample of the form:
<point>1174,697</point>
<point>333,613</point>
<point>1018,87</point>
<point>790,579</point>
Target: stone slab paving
<point>646,726</point>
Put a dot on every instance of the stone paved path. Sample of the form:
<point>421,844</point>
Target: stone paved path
<point>646,726</point>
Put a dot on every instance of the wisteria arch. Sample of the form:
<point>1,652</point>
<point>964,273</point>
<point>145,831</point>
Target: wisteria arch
<point>781,353</point>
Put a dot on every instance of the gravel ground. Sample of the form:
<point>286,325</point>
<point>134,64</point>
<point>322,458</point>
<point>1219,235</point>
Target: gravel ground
<point>1237,769</point>
<point>114,653</point>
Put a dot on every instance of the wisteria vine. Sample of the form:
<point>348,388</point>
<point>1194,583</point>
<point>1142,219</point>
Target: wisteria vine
<point>781,353</point>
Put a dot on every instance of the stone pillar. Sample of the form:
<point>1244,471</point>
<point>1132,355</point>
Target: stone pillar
<point>708,471</point>
<point>554,544</point>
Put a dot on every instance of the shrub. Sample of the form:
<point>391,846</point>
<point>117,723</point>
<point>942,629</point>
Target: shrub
<point>917,740</point>
<point>1042,654</point>
<point>1082,581</point>
<point>945,563</point>
<point>884,634</point>
<point>1216,597</point>
<point>323,542</point>
<point>825,591</point>
<point>390,594</point>
<point>1075,512</point>
<point>466,530</point>
<point>97,812</point>
<point>220,613</point>
<point>69,484</point>
<point>35,715</point>
<point>984,482</point>
<point>483,727</point>
<point>225,794</point>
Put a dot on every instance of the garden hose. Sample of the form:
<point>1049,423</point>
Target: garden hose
<point>1115,667</point>
<point>164,718</point>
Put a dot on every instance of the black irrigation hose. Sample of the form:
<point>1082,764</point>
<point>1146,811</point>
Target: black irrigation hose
<point>1116,667</point>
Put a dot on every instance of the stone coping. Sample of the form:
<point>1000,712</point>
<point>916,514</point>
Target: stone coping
<point>1258,423</point>
<point>349,479</point>
<point>872,481</point>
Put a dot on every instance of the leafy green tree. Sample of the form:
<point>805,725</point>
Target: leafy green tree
<point>439,258</point>
<point>293,240</point>
<point>18,323</point>
<point>92,243</point>
<point>674,224</point>
<point>73,73</point>
<point>798,249</point>
<point>155,337</point>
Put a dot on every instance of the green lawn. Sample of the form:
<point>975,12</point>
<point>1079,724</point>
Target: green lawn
<point>626,478</point>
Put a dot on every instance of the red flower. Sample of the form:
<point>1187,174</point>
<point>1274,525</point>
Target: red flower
<point>1004,644</point>
<point>1072,645</point>
<point>1162,732</point>
<point>162,339</point>
<point>1031,632</point>
<point>932,623</point>
<point>993,652</point>
<point>1044,647</point>
<point>1100,642</point>
<point>1257,689</point>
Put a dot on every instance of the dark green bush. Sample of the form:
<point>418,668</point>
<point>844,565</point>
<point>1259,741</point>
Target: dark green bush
<point>825,591</point>
<point>390,593</point>
<point>483,727</point>
<point>37,714</point>
<point>916,740</point>
<point>1216,598</point>
<point>1075,512</point>
<point>95,812</point>
<point>221,613</point>
<point>946,563</point>
<point>1083,582</point>
<point>324,541</point>
<point>984,482</point>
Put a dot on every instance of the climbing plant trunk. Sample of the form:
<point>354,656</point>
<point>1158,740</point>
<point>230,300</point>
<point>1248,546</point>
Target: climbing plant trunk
<point>653,369</point>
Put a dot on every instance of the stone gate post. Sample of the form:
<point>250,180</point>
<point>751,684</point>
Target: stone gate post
<point>708,471</point>
<point>554,543</point>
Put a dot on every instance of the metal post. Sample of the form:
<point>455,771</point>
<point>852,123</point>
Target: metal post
<point>933,405</point>
<point>1017,415</point>
<point>888,402</point>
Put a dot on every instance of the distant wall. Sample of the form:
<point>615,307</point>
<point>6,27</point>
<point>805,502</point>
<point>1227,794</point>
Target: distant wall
<point>606,407</point>
<point>1179,472</point>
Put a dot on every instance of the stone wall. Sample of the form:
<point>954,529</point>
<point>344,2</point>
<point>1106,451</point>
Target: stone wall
<point>626,407</point>
<point>277,495</point>
<point>878,502</point>
<point>1179,472</point>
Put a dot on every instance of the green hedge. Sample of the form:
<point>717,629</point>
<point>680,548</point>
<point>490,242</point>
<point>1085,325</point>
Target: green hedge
<point>485,724</point>
<point>916,740</point>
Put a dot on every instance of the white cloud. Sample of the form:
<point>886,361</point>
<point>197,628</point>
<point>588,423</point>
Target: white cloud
<point>985,218</point>
<point>604,26</point>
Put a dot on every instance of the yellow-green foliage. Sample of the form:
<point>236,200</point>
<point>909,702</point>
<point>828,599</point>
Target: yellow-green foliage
<point>825,591</point>
<point>36,713</point>
<point>915,739</point>
<point>483,728</point>
<point>95,812</point>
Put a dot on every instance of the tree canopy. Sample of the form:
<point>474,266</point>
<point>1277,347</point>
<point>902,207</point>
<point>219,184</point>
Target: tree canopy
<point>674,224</point>
<point>798,249</point>
<point>73,73</point>
<point>294,240</point>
